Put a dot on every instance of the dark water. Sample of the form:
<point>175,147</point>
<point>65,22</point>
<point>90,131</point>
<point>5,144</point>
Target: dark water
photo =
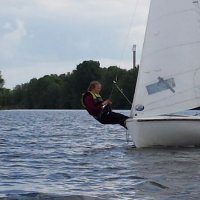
<point>68,155</point>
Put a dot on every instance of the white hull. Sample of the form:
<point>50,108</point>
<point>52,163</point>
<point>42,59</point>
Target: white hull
<point>164,131</point>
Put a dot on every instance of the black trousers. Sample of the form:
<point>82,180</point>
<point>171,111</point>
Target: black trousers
<point>113,118</point>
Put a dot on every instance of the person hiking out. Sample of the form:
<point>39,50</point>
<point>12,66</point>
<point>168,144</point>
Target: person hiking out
<point>101,109</point>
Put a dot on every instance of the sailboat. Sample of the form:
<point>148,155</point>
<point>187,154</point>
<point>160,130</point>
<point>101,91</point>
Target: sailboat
<point>169,77</point>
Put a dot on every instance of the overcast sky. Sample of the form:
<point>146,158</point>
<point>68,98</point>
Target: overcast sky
<point>39,37</point>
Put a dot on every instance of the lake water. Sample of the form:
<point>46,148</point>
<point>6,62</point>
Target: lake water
<point>68,155</point>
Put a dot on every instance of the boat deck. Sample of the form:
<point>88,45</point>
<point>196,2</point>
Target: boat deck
<point>167,118</point>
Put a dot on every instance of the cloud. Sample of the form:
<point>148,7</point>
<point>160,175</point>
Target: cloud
<point>63,33</point>
<point>23,74</point>
<point>54,6</point>
<point>12,37</point>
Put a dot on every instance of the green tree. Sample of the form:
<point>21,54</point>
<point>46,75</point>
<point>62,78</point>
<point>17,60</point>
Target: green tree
<point>80,79</point>
<point>65,90</point>
<point>5,98</point>
<point>1,81</point>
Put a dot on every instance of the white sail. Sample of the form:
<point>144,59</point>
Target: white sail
<point>169,74</point>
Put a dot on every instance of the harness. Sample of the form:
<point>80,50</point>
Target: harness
<point>97,99</point>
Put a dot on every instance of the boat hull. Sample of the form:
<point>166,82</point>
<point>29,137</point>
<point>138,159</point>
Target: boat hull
<point>164,131</point>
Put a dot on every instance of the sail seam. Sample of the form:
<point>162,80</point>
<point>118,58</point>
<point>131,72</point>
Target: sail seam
<point>171,47</point>
<point>171,14</point>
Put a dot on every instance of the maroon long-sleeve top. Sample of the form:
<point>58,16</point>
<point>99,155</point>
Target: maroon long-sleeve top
<point>92,107</point>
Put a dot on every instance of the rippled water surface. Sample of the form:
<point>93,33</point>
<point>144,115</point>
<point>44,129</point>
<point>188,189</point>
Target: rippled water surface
<point>68,155</point>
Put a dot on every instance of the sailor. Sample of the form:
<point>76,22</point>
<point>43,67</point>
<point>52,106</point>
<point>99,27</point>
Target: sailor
<point>101,109</point>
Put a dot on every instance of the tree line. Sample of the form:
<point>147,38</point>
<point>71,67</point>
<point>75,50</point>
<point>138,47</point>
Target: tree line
<point>64,91</point>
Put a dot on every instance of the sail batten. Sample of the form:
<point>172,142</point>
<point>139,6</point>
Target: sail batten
<point>169,74</point>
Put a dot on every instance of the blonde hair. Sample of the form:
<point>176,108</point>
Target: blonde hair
<point>93,85</point>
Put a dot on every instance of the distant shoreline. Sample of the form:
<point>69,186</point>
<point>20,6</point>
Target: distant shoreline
<point>54,109</point>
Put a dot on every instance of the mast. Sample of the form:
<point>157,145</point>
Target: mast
<point>134,55</point>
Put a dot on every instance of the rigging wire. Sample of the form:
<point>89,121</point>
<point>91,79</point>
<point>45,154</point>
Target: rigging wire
<point>129,32</point>
<point>121,91</point>
<point>128,140</point>
<point>122,54</point>
<point>112,90</point>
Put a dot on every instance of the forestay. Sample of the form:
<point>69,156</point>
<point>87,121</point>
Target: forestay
<point>169,74</point>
